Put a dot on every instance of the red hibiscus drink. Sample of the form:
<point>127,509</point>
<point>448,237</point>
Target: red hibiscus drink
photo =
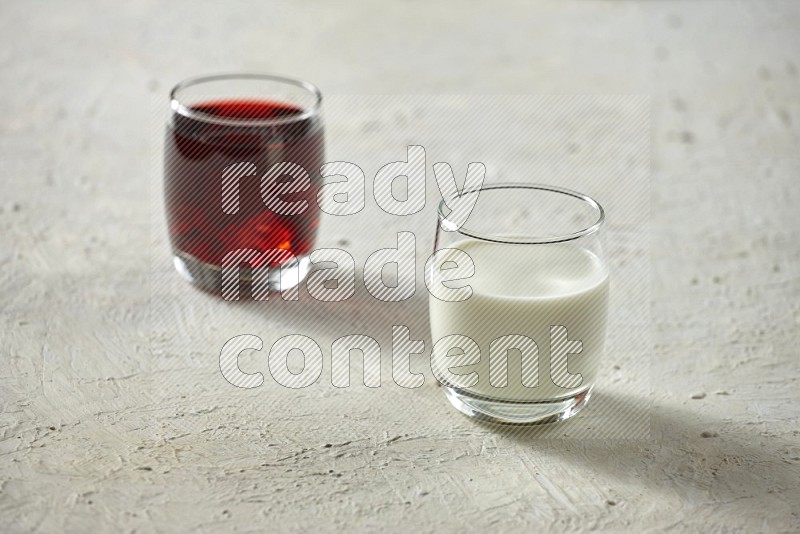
<point>241,173</point>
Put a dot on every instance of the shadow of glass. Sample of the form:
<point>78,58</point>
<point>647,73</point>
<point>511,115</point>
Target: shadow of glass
<point>699,457</point>
<point>361,313</point>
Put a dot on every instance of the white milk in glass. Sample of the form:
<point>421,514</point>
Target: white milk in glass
<point>523,290</point>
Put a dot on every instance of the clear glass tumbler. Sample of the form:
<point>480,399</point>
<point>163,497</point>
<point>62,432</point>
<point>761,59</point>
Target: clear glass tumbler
<point>242,155</point>
<point>518,304</point>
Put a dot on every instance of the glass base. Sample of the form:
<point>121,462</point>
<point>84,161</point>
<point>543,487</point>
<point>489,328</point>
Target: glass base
<point>515,412</point>
<point>209,277</point>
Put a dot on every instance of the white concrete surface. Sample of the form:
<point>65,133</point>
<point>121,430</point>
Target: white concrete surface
<point>115,417</point>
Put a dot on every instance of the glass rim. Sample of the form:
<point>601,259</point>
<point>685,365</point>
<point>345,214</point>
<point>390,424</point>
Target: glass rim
<point>178,107</point>
<point>533,240</point>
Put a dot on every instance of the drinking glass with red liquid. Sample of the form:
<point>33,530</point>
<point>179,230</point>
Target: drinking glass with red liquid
<point>239,149</point>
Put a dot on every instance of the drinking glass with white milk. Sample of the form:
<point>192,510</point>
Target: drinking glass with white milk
<point>519,301</point>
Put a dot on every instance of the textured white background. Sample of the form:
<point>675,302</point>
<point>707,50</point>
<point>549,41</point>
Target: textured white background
<point>105,427</point>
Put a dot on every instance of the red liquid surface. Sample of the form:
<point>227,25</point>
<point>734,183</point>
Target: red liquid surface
<point>196,154</point>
